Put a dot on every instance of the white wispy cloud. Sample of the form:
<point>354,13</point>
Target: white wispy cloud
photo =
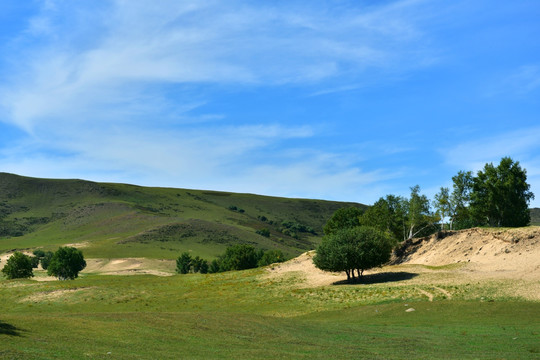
<point>119,88</point>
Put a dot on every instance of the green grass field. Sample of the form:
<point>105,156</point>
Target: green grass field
<point>246,315</point>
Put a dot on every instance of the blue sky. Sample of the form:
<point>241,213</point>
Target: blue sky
<point>336,99</point>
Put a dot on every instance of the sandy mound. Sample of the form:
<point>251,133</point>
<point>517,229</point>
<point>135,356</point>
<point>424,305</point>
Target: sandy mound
<point>303,267</point>
<point>511,253</point>
<point>484,254</point>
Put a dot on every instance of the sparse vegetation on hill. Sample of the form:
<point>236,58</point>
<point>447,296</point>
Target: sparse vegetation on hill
<point>118,220</point>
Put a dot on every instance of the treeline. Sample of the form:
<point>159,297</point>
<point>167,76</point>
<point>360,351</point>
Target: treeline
<point>496,196</point>
<point>236,257</point>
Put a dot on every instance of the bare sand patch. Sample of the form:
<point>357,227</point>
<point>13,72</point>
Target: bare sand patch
<point>495,253</point>
<point>80,245</point>
<point>303,267</point>
<point>130,266</point>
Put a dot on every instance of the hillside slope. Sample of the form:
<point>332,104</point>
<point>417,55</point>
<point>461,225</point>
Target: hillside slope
<point>119,220</point>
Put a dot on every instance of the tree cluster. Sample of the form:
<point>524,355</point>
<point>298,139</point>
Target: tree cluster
<point>65,263</point>
<point>496,196</point>
<point>236,257</point>
<point>402,218</point>
<point>357,240</point>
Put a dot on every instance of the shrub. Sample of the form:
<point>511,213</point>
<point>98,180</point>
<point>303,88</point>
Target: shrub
<point>35,261</point>
<point>46,260</point>
<point>18,266</point>
<point>264,232</point>
<point>39,253</point>
<point>239,257</point>
<point>200,265</point>
<point>214,267</point>
<point>271,257</point>
<point>183,263</point>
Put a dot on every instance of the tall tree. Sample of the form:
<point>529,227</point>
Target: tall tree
<point>387,214</point>
<point>501,195</point>
<point>183,263</point>
<point>443,204</point>
<point>460,199</point>
<point>343,218</point>
<point>418,213</point>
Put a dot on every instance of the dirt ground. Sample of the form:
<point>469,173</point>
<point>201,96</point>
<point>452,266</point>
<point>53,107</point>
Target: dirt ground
<point>456,257</point>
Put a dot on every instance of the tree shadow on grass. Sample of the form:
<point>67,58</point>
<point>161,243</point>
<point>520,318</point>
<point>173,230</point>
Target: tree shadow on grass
<point>379,278</point>
<point>8,329</point>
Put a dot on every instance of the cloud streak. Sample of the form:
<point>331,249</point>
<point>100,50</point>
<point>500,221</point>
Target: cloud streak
<point>125,88</point>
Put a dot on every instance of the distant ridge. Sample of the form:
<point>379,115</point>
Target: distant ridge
<point>120,220</point>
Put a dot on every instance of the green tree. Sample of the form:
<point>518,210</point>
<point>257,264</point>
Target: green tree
<point>66,263</point>
<point>46,259</point>
<point>183,263</point>
<point>460,217</point>
<point>204,267</point>
<point>360,248</point>
<point>271,257</point>
<point>39,253</point>
<point>443,204</point>
<point>199,265</point>
<point>35,261</point>
<point>18,266</point>
<point>239,257</point>
<point>419,218</point>
<point>214,267</point>
<point>501,195</point>
<point>343,218</point>
<point>387,214</point>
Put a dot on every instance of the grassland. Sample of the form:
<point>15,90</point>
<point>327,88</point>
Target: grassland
<point>253,314</point>
<point>247,315</point>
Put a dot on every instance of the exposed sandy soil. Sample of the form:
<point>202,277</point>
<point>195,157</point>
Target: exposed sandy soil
<point>508,253</point>
<point>303,267</point>
<point>130,266</point>
<point>478,254</point>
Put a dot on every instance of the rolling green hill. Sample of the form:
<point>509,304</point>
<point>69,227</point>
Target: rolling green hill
<point>535,216</point>
<point>119,220</point>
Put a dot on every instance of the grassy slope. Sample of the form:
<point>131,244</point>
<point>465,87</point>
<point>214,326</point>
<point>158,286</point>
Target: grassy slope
<point>118,220</point>
<point>244,315</point>
<point>535,216</point>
